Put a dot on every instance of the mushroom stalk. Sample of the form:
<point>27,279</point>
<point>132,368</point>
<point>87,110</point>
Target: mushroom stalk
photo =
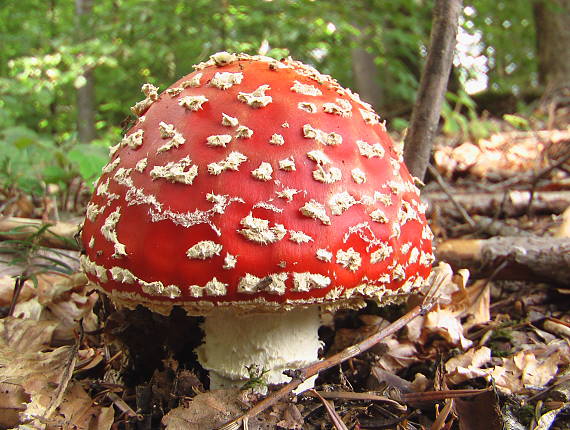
<point>268,342</point>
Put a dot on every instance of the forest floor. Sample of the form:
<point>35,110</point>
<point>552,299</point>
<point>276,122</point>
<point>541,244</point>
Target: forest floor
<point>492,353</point>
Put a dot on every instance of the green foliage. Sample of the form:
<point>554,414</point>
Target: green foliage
<point>462,120</point>
<point>29,161</point>
<point>517,121</point>
<point>508,41</point>
<point>47,49</point>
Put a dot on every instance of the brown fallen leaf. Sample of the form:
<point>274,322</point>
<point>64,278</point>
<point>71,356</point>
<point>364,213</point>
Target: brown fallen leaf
<point>27,362</point>
<point>12,400</point>
<point>481,412</point>
<point>467,366</point>
<point>531,367</point>
<point>63,299</point>
<point>205,411</point>
<point>77,411</point>
<point>446,323</point>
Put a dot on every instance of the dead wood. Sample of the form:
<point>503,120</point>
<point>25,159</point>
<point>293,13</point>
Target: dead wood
<point>538,259</point>
<point>58,234</point>
<point>512,203</point>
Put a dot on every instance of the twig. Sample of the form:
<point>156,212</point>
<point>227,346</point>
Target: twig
<point>335,418</point>
<point>349,395</point>
<point>431,396</point>
<point>541,175</point>
<point>448,193</point>
<point>300,375</point>
<point>18,285</point>
<point>123,406</point>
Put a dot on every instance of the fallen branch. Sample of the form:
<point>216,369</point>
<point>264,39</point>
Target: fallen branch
<point>540,259</point>
<point>57,235</point>
<point>512,203</point>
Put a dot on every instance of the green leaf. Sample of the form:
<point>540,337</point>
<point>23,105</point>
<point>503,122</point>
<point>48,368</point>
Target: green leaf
<point>88,160</point>
<point>20,137</point>
<point>517,121</point>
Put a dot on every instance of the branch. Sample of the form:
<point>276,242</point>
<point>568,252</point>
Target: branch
<point>537,259</point>
<point>433,84</point>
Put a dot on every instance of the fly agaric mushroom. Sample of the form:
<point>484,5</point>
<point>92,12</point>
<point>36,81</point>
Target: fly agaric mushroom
<point>253,192</point>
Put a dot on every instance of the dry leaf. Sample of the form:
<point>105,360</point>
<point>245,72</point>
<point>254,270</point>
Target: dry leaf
<point>501,153</point>
<point>77,411</point>
<point>447,324</point>
<point>481,412</point>
<point>547,419</point>
<point>563,229</point>
<point>478,309</point>
<point>531,368</point>
<point>63,299</point>
<point>206,411</point>
<point>399,355</point>
<point>27,362</point>
<point>468,365</point>
<point>12,399</point>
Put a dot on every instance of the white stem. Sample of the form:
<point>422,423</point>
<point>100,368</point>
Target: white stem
<point>273,342</point>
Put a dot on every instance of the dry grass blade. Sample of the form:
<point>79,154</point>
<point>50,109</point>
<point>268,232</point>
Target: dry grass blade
<point>335,418</point>
<point>235,425</point>
<point>442,416</point>
<point>441,275</point>
<point>123,406</point>
<point>441,395</point>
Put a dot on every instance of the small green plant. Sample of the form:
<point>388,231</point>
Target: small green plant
<point>517,122</point>
<point>30,161</point>
<point>24,250</point>
<point>257,378</point>
<point>459,112</point>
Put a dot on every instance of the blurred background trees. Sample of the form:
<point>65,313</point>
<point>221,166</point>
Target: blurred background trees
<point>69,71</point>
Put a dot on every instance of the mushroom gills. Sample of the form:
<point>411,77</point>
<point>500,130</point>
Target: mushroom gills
<point>235,344</point>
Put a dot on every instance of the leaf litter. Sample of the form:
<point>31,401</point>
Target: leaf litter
<point>492,353</point>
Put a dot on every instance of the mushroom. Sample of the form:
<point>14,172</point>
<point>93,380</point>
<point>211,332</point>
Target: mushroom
<point>255,192</point>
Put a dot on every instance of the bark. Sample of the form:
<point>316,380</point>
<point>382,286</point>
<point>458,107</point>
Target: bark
<point>433,84</point>
<point>552,18</point>
<point>86,93</point>
<point>539,259</point>
<point>511,204</point>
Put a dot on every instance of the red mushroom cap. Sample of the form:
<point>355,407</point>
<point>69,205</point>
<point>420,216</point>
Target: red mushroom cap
<point>256,182</point>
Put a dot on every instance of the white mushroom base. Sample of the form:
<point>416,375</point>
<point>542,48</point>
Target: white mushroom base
<point>271,342</point>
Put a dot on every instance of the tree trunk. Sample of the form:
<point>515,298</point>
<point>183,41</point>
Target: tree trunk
<point>86,92</point>
<point>552,21</point>
<point>366,73</point>
<point>433,84</point>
